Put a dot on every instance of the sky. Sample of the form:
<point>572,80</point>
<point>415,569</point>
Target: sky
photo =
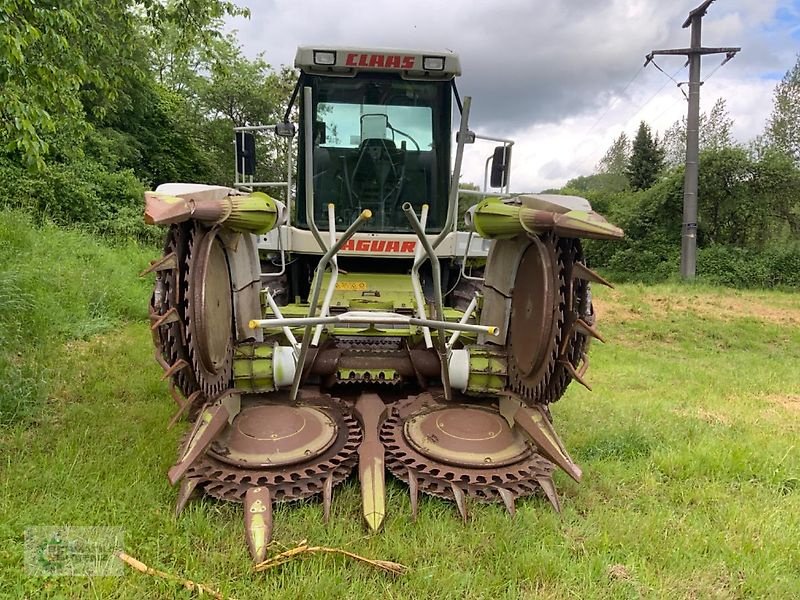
<point>561,77</point>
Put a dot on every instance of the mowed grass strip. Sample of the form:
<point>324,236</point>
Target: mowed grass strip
<point>689,446</point>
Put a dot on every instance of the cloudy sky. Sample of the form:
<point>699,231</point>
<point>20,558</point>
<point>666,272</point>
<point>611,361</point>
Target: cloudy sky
<point>561,77</point>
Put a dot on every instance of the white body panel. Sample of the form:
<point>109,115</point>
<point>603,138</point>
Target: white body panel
<point>390,245</point>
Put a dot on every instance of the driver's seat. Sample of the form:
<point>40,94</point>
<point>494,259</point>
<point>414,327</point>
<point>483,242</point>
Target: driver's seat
<point>375,177</point>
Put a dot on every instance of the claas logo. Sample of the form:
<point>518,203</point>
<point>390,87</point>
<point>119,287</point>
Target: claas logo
<point>384,246</point>
<point>385,61</point>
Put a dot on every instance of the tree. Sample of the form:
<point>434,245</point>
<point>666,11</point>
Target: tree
<point>646,161</point>
<point>465,202</point>
<point>61,62</point>
<point>235,92</point>
<point>715,134</point>
<point>616,158</point>
<point>783,127</point>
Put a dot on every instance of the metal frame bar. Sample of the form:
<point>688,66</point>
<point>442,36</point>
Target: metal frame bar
<point>312,308</point>
<point>241,183</point>
<point>441,347</point>
<point>308,137</point>
<point>452,208</point>
<point>463,321</point>
<point>286,331</point>
<point>372,318</point>
<point>416,285</point>
<point>326,301</point>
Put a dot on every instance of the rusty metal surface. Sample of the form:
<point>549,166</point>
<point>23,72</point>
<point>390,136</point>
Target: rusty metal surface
<point>537,319</point>
<point>569,332</point>
<point>574,341</point>
<point>214,308</point>
<point>533,308</point>
<point>485,483</point>
<point>209,311</point>
<point>293,481</point>
<point>167,310</point>
<point>465,436</point>
<point>275,435</point>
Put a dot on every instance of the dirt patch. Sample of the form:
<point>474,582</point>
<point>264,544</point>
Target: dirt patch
<point>618,572</point>
<point>725,308</point>
<point>615,307</point>
<point>709,416</point>
<point>612,309</point>
<point>787,401</point>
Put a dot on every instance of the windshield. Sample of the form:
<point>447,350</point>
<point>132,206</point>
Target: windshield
<point>379,142</point>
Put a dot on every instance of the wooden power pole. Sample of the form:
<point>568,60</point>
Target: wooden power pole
<point>693,53</point>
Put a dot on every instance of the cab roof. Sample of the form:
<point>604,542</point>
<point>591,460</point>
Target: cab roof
<point>344,61</point>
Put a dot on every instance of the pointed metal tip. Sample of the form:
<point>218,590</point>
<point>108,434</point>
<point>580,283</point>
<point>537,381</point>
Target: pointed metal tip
<point>165,263</point>
<point>587,329</point>
<point>213,421</point>
<point>184,495</point>
<point>549,489</point>
<point>258,521</point>
<point>175,473</point>
<point>327,498</point>
<point>458,496</point>
<point>413,490</point>
<point>374,520</point>
<point>172,369</point>
<point>581,271</point>
<point>535,425</point>
<point>508,500</point>
<point>575,374</point>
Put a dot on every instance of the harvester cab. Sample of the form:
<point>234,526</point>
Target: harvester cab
<point>351,325</point>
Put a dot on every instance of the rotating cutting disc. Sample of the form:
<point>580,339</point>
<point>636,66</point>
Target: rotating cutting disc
<point>438,447</point>
<point>295,451</point>
<point>537,319</point>
<point>209,311</point>
<point>466,436</point>
<point>168,299</point>
<point>272,435</point>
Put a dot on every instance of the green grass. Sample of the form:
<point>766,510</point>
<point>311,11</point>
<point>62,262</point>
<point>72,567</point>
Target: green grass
<point>689,446</point>
<point>56,285</point>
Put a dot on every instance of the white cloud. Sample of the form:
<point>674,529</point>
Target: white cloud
<point>552,75</point>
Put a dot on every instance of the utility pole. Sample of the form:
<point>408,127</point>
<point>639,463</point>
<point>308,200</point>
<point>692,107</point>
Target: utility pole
<point>693,53</point>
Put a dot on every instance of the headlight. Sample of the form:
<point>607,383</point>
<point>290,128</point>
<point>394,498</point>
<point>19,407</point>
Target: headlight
<point>433,63</point>
<point>324,57</point>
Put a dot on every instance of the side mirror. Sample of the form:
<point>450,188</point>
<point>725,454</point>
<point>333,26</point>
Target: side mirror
<point>501,164</point>
<point>245,153</point>
<point>285,130</point>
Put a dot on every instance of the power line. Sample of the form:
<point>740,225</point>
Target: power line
<point>653,97</point>
<point>671,106</point>
<point>612,105</point>
<point>638,110</point>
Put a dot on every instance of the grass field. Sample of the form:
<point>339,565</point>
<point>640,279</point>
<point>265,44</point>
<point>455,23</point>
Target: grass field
<point>689,446</point>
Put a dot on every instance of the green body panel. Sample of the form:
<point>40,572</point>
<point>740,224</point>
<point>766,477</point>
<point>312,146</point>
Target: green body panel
<point>254,213</point>
<point>487,370</point>
<point>252,367</point>
<point>384,292</point>
<point>502,219</point>
<point>494,219</point>
<point>372,291</point>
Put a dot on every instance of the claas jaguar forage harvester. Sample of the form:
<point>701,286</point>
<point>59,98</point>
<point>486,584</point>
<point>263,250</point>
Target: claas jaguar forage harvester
<point>356,325</point>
